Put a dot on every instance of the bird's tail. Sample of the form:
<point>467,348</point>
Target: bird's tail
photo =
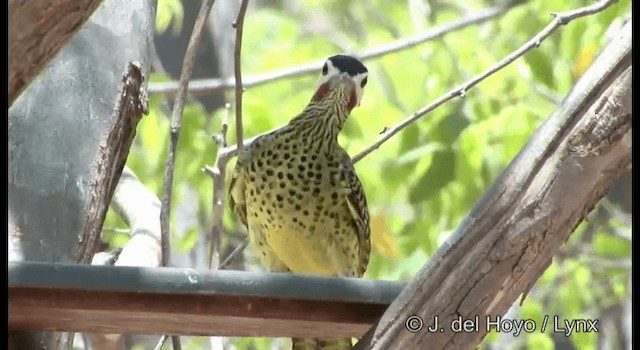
<point>321,344</point>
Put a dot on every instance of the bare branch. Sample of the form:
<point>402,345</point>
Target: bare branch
<point>161,341</point>
<point>237,68</point>
<point>211,86</point>
<point>130,106</point>
<point>460,91</point>
<point>229,259</point>
<point>140,209</point>
<point>217,174</point>
<point>176,119</point>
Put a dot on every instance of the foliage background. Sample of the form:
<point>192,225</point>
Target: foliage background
<point>422,182</point>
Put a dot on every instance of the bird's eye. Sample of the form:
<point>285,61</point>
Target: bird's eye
<point>325,69</point>
<point>364,82</point>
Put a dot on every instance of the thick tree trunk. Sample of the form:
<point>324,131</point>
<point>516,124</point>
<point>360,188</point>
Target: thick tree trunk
<point>508,240</point>
<point>67,144</point>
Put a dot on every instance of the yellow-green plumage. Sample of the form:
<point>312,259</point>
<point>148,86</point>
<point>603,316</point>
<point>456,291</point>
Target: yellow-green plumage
<point>297,191</point>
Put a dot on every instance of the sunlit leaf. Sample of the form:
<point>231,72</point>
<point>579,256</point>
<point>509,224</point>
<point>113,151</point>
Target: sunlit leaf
<point>381,238</point>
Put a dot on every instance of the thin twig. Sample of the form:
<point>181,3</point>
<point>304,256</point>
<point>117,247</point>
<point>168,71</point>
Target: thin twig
<point>237,70</point>
<point>217,174</point>
<point>460,91</point>
<point>176,119</point>
<point>229,259</point>
<point>161,342</point>
<point>211,86</point>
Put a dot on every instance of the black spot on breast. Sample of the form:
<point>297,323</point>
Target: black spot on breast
<point>303,158</point>
<point>301,167</point>
<point>269,172</point>
<point>279,198</point>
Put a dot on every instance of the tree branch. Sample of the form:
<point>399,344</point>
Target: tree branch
<point>132,103</point>
<point>37,32</point>
<point>237,68</point>
<point>460,91</point>
<point>509,238</point>
<point>217,174</point>
<point>176,120</point>
<point>140,209</point>
<point>211,86</point>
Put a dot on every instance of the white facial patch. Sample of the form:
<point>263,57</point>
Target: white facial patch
<point>332,70</point>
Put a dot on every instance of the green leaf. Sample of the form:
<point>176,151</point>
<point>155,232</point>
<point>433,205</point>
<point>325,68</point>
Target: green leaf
<point>439,174</point>
<point>188,239</point>
<point>612,246</point>
<point>540,64</point>
<point>169,11</point>
<point>449,128</point>
<point>540,341</point>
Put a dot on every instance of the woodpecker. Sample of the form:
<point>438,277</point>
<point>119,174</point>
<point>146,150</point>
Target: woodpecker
<point>298,193</point>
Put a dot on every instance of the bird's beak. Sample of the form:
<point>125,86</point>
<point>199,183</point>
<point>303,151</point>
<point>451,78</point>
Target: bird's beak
<point>341,82</point>
<point>342,79</point>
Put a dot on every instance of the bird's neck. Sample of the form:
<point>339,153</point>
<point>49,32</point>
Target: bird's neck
<point>320,123</point>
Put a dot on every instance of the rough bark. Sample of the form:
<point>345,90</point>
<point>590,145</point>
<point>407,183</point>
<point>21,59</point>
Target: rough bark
<point>66,143</point>
<point>37,32</point>
<point>509,238</point>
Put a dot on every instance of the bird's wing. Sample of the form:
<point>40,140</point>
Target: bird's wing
<point>357,203</point>
<point>237,199</point>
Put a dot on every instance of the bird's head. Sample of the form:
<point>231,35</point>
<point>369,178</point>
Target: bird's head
<point>342,78</point>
